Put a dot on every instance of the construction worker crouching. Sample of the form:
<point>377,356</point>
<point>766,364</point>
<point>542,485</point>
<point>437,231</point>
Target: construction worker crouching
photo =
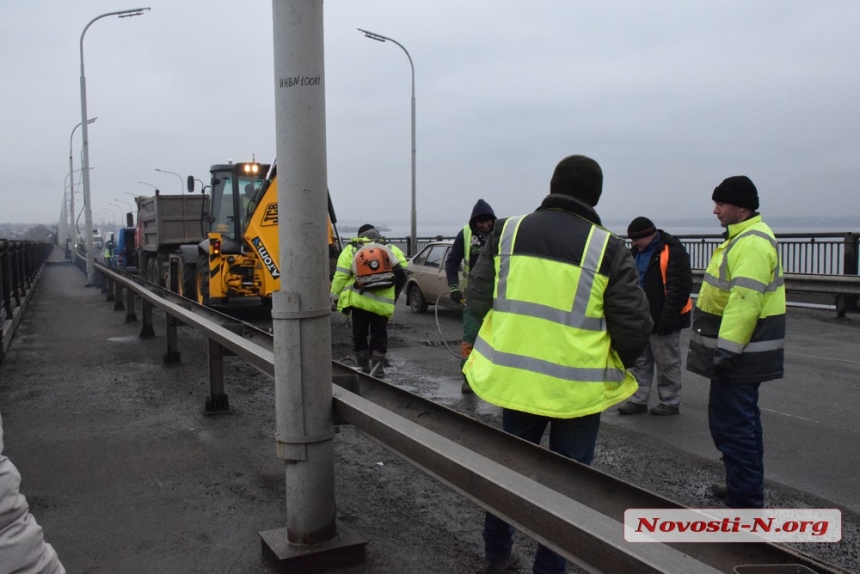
<point>366,284</point>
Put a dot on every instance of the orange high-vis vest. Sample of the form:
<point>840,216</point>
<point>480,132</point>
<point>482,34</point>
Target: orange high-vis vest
<point>664,266</point>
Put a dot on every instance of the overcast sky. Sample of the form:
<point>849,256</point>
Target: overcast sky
<point>670,97</point>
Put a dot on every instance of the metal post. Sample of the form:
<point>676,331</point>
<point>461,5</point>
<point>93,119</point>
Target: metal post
<point>172,356</point>
<point>130,315</point>
<point>117,295</point>
<point>301,310</point>
<point>217,401</point>
<point>413,239</point>
<point>146,330</point>
<point>88,213</point>
<point>181,181</point>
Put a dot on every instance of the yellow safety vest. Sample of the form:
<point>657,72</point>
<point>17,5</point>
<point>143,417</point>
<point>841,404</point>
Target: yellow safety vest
<point>543,348</point>
<point>379,301</point>
<point>741,306</point>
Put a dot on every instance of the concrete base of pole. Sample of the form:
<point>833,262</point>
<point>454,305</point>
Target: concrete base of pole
<point>345,549</point>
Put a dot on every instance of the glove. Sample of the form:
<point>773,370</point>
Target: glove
<point>456,296</point>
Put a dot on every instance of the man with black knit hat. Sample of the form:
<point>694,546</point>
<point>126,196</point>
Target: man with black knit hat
<point>666,278</point>
<point>369,307</point>
<point>738,336</point>
<point>563,319</point>
<point>467,248</point>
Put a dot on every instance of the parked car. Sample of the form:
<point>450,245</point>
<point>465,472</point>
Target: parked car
<point>426,283</point>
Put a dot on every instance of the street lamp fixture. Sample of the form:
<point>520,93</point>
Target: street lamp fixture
<point>149,184</point>
<point>413,240</point>
<point>181,181</point>
<point>91,270</point>
<point>122,212</point>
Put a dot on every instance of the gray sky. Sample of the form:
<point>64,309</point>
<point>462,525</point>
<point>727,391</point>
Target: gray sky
<point>670,97</point>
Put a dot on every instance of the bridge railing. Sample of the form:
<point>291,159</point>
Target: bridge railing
<point>20,264</point>
<point>807,253</point>
<point>834,253</point>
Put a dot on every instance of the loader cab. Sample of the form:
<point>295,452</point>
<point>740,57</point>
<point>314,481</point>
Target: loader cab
<point>235,193</point>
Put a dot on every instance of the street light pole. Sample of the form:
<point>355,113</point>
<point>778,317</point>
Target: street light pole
<point>181,181</point>
<point>88,219</point>
<point>122,221</point>
<point>72,171</point>
<point>150,185</point>
<point>413,239</point>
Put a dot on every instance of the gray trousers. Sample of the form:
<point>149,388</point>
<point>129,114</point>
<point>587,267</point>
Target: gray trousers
<point>663,355</point>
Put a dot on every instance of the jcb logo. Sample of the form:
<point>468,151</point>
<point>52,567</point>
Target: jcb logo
<point>271,215</point>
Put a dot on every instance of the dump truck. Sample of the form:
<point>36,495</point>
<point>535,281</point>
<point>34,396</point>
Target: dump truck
<point>164,223</point>
<point>238,258</point>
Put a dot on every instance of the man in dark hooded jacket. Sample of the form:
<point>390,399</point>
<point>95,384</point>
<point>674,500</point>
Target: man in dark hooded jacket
<point>665,276</point>
<point>467,247</point>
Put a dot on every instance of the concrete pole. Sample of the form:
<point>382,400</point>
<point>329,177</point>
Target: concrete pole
<point>301,310</point>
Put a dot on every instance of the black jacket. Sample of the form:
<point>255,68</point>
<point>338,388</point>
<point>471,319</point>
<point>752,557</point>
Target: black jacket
<point>458,249</point>
<point>625,307</point>
<point>666,302</point>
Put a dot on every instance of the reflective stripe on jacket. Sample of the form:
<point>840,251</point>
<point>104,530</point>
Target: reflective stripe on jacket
<point>739,321</point>
<point>544,348</point>
<point>467,253</point>
<point>379,301</point>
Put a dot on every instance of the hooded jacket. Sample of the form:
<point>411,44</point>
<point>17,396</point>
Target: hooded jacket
<point>477,240</point>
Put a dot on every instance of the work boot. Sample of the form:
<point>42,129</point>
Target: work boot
<point>719,490</point>
<point>629,408</point>
<point>377,364</point>
<point>466,388</point>
<point>501,565</point>
<point>362,359</point>
<point>664,410</point>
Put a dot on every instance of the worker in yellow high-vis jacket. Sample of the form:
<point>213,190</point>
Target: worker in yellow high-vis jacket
<point>563,319</point>
<point>738,335</point>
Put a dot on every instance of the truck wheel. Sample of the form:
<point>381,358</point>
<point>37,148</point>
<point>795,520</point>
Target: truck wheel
<point>202,280</point>
<point>187,278</point>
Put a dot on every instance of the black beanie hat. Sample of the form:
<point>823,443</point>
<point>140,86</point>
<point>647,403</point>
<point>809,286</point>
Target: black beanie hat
<point>641,227</point>
<point>365,227</point>
<point>737,190</point>
<point>578,176</point>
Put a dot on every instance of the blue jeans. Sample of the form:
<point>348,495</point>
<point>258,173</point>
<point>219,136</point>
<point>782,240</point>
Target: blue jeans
<point>735,422</point>
<point>573,438</point>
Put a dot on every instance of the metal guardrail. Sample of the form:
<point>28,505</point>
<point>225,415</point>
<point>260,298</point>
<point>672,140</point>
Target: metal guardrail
<point>834,253</point>
<point>20,265</point>
<point>572,508</point>
<point>845,289</point>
